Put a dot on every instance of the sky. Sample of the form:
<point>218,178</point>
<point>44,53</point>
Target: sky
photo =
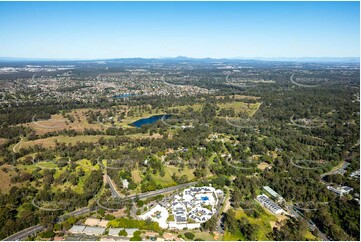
<point>97,30</point>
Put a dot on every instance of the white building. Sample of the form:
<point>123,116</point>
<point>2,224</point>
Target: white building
<point>340,190</point>
<point>125,183</point>
<point>274,194</point>
<point>355,174</point>
<point>91,230</point>
<point>77,229</point>
<point>157,214</point>
<point>269,204</point>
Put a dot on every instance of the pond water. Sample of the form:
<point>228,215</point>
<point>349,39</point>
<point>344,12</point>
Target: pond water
<point>150,120</point>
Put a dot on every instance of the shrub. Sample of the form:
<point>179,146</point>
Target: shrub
<point>109,217</point>
<point>47,234</point>
<point>189,235</point>
<point>122,233</point>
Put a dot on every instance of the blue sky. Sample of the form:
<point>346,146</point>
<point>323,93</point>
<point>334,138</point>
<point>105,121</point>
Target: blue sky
<point>91,30</point>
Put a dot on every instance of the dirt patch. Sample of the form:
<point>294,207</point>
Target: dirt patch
<point>3,141</point>
<point>263,166</point>
<point>51,141</point>
<point>57,122</point>
<point>279,222</point>
<point>119,213</point>
<point>5,183</point>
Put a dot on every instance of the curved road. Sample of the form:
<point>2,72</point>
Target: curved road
<point>37,228</point>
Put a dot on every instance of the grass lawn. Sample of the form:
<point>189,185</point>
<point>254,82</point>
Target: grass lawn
<point>136,176</point>
<point>86,165</point>
<point>249,108</point>
<point>233,237</point>
<point>310,236</point>
<point>202,235</point>
<point>50,142</point>
<point>186,171</point>
<point>263,221</point>
<point>47,165</point>
<point>165,181</point>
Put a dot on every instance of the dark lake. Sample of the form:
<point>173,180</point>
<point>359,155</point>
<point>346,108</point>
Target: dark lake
<point>150,120</point>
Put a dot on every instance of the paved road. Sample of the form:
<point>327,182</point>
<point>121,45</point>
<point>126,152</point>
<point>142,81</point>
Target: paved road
<point>162,191</point>
<point>27,232</point>
<point>37,228</point>
<point>311,225</point>
<point>219,227</point>
<point>112,187</point>
<point>341,170</point>
<point>146,194</point>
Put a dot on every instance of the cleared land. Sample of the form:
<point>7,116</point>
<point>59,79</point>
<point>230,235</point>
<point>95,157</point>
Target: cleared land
<point>57,122</point>
<point>2,141</point>
<point>50,142</point>
<point>5,183</point>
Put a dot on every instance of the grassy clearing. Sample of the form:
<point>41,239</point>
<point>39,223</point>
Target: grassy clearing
<point>167,180</point>
<point>5,183</point>
<point>50,142</point>
<point>136,176</point>
<point>233,237</point>
<point>86,165</point>
<point>58,122</point>
<point>203,235</point>
<point>47,165</point>
<point>237,96</point>
<point>249,108</point>
<point>143,136</point>
<point>263,221</point>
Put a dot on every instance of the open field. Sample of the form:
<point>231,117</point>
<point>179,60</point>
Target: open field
<point>263,221</point>
<point>5,183</point>
<point>201,235</point>
<point>167,179</point>
<point>233,237</point>
<point>249,108</point>
<point>136,176</point>
<point>50,142</point>
<point>57,122</point>
<point>237,96</point>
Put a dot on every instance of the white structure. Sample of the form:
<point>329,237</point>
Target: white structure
<point>115,232</point>
<point>77,229</point>
<point>174,225</point>
<point>196,203</point>
<point>274,194</point>
<point>90,230</point>
<point>340,190</point>
<point>158,214</point>
<point>200,214</point>
<point>266,202</point>
<point>355,174</point>
<point>125,183</point>
<point>179,211</point>
<point>191,204</point>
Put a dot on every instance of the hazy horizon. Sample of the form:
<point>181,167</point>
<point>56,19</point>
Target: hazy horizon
<point>108,30</point>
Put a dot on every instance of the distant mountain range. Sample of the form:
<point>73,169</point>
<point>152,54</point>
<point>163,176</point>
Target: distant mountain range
<point>184,58</point>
